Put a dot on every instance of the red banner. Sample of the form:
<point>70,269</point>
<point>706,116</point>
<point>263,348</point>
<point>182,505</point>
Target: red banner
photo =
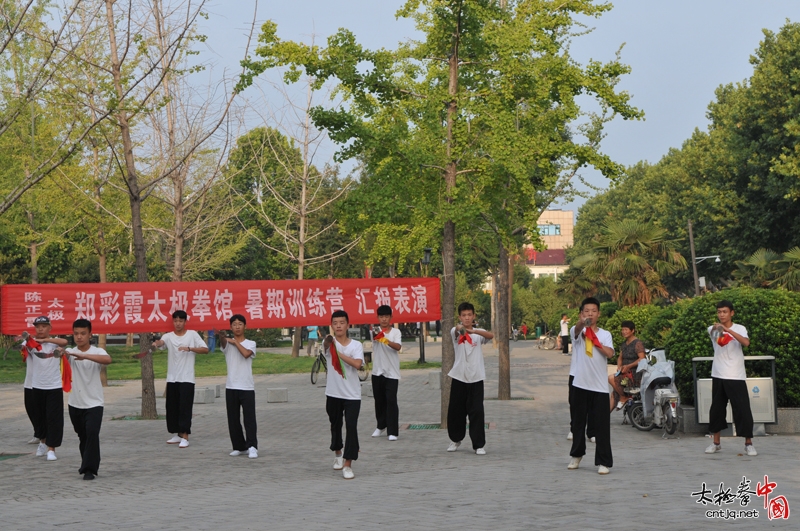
<point>147,306</point>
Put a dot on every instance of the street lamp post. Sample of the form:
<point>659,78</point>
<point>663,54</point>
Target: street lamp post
<point>426,260</point>
<point>697,259</point>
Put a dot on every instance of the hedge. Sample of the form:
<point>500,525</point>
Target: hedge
<point>772,319</point>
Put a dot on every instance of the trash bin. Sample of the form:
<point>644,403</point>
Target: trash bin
<point>762,391</point>
<point>538,331</point>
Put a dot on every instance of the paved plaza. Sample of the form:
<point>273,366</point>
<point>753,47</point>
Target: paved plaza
<point>522,482</point>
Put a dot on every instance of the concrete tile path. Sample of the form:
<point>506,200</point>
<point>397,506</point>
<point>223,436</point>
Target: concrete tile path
<point>522,482</point>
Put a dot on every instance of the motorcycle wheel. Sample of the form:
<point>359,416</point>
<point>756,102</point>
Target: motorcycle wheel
<point>637,418</point>
<point>670,423</point>
<point>315,371</point>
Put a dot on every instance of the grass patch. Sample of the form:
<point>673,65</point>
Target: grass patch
<point>415,365</point>
<point>124,367</point>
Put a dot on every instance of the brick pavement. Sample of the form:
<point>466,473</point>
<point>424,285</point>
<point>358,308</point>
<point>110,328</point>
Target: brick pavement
<point>522,482</point>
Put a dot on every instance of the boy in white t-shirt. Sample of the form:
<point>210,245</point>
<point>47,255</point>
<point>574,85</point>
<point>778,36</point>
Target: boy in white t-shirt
<point>591,348</point>
<point>86,399</point>
<point>239,387</point>
<point>466,390</point>
<point>728,380</point>
<point>181,345</point>
<point>47,395</point>
<point>343,391</point>
<point>386,344</point>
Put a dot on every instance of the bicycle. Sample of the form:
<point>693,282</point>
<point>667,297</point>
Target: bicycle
<point>547,341</point>
<point>321,362</point>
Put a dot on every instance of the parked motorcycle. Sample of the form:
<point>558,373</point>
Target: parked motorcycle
<point>655,402</point>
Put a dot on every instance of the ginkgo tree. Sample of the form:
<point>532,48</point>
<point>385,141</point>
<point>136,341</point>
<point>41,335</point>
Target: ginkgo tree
<point>468,125</point>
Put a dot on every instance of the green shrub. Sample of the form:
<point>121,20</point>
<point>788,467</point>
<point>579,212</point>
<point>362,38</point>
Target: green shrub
<point>772,318</point>
<point>264,337</point>
<point>607,311</point>
<point>655,332</point>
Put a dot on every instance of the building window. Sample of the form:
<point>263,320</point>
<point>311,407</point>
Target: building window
<point>550,230</point>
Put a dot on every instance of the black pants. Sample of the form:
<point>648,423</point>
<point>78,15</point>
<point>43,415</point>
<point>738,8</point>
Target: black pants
<point>180,400</point>
<point>336,408</point>
<point>466,400</point>
<point>565,344</point>
<point>29,410</point>
<point>593,405</point>
<point>86,423</point>
<point>589,422</point>
<point>236,399</point>
<point>736,391</point>
<point>48,414</point>
<point>386,411</point>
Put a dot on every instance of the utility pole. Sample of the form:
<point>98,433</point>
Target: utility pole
<point>694,262</point>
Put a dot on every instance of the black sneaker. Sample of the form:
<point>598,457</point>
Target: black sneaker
<point>88,476</point>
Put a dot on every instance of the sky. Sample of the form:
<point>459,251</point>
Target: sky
<point>679,51</point>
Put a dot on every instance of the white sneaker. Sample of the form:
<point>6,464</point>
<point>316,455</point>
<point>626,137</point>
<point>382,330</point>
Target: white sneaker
<point>347,473</point>
<point>603,470</point>
<point>750,450</point>
<point>453,446</point>
<point>392,437</point>
<point>235,453</point>
<point>713,448</point>
<point>480,451</point>
<point>338,462</point>
<point>569,436</point>
<point>252,452</point>
<point>51,455</point>
<point>590,439</point>
<point>378,432</point>
<point>574,463</point>
<point>41,450</point>
<point>184,443</point>
<point>174,440</point>
<point>35,440</point>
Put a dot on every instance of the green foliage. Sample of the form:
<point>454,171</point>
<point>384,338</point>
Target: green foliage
<point>765,268</point>
<point>772,318</point>
<point>264,337</point>
<point>655,332</point>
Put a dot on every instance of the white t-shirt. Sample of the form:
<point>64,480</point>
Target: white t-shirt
<point>240,369</point>
<point>46,372</point>
<point>180,364</point>
<point>385,359</point>
<point>565,329</point>
<point>347,387</point>
<point>28,374</point>
<point>468,366</point>
<point>87,390</point>
<point>590,373</point>
<point>729,360</point>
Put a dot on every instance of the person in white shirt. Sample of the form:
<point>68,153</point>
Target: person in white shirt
<point>564,337</point>
<point>239,387</point>
<point>466,390</point>
<point>343,391</point>
<point>591,348</point>
<point>386,344</point>
<point>181,345</point>
<point>47,395</point>
<point>728,380</point>
<point>86,399</point>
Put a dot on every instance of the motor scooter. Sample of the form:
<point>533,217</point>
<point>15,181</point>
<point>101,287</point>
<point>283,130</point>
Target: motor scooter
<point>655,402</point>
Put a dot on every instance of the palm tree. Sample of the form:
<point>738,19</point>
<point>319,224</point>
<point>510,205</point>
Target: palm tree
<point>758,270</point>
<point>630,259</point>
<point>787,270</point>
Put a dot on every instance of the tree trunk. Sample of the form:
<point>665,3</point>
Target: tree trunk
<point>493,305</point>
<point>135,200</point>
<point>449,234</point>
<point>503,325</point>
